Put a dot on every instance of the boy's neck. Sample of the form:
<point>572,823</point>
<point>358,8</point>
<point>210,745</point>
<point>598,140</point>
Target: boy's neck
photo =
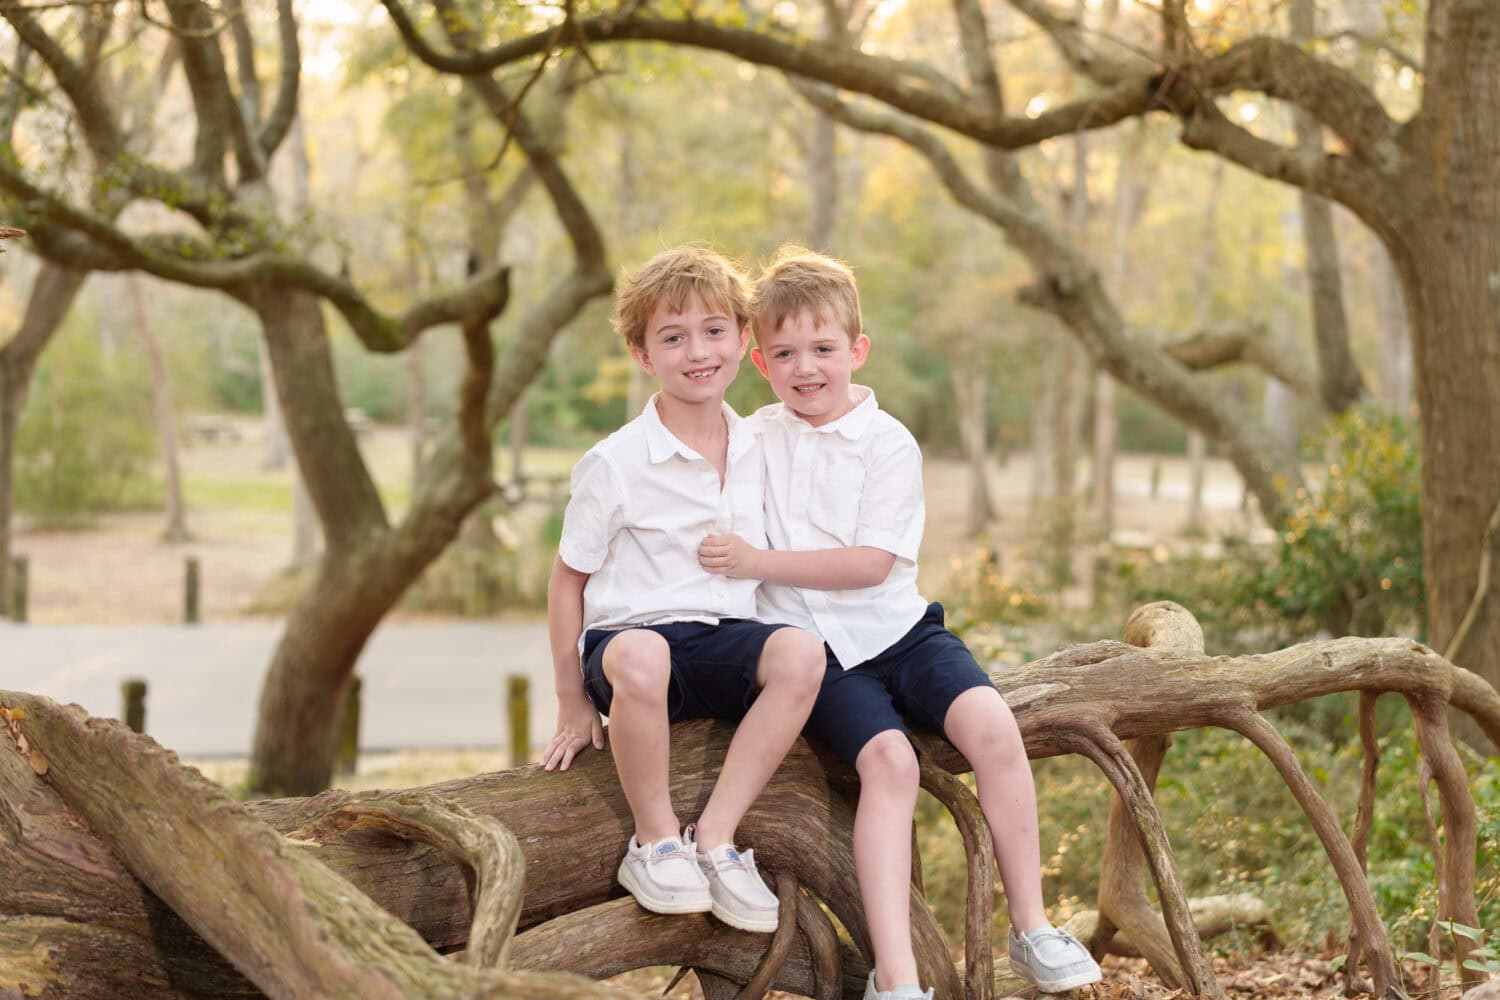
<point>690,420</point>
<point>700,426</point>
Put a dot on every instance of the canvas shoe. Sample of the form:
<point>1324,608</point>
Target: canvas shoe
<point>664,877</point>
<point>740,898</point>
<point>906,992</point>
<point>1052,960</point>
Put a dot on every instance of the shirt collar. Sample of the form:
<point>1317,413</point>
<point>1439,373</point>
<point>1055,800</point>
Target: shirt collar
<point>851,425</point>
<point>662,444</point>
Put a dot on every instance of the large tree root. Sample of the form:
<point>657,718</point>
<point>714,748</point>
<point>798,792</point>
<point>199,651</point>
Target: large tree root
<point>129,876</point>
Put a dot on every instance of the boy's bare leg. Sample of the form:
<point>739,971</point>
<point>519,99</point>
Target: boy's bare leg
<point>888,779</point>
<point>638,665</point>
<point>981,726</point>
<point>789,675</point>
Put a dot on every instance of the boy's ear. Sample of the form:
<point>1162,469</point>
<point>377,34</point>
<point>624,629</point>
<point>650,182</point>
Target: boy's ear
<point>859,351</point>
<point>642,359</point>
<point>744,339</point>
<point>760,361</point>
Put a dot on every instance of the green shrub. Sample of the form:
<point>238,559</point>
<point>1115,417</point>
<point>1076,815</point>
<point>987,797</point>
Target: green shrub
<point>86,442</point>
<point>1348,562</point>
<point>1350,559</point>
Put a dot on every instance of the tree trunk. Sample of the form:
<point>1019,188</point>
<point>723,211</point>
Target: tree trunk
<point>1448,253</point>
<point>176,530</point>
<point>52,294</point>
<point>275,454</point>
<point>1394,332</point>
<point>1456,331</point>
<point>970,384</point>
<point>1340,385</point>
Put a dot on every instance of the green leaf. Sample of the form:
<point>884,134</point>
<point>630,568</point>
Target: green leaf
<point>1339,961</point>
<point>1419,956</point>
<point>1479,966</point>
<point>1462,930</point>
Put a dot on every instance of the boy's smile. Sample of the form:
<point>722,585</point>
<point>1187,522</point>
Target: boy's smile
<point>694,354</point>
<point>808,365</point>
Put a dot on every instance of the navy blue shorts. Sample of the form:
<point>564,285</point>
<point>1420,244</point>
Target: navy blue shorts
<point>713,666</point>
<point>917,679</point>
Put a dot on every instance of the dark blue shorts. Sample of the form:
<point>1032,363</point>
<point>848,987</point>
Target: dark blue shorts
<point>713,667</point>
<point>916,680</point>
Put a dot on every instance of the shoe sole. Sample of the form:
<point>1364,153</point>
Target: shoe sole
<point>663,906</point>
<point>764,926</point>
<point>1060,985</point>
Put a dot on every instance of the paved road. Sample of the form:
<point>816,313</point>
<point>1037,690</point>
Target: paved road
<point>425,684</point>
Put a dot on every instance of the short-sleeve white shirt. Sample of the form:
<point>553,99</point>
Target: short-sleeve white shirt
<point>641,503</point>
<point>852,482</point>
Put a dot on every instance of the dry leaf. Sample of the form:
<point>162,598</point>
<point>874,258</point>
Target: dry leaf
<point>38,762</point>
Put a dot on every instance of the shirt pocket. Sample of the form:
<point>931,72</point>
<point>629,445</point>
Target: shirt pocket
<point>833,506</point>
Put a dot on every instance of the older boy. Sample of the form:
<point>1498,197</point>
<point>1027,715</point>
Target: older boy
<point>640,632</point>
<point>844,518</point>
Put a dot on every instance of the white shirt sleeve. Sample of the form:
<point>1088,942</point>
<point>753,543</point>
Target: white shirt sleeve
<point>892,512</point>
<point>593,515</point>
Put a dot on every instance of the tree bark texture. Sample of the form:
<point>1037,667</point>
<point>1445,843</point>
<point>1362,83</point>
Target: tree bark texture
<point>1447,249</point>
<point>165,408</point>
<point>128,876</point>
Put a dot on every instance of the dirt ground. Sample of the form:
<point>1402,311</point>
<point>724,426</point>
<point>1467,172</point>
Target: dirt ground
<point>119,571</point>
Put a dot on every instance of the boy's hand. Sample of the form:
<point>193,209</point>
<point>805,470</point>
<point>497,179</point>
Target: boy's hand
<point>729,555</point>
<point>578,725</point>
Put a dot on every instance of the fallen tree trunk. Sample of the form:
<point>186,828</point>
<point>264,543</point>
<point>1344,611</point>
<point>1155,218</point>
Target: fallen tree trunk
<point>121,867</point>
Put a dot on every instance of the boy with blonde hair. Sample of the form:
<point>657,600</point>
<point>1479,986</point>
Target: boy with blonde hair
<point>640,632</point>
<point>844,518</point>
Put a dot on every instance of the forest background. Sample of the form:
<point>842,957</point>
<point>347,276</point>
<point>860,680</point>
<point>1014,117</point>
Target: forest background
<point>146,421</point>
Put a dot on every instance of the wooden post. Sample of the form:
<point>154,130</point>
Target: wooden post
<point>348,751</point>
<point>190,588</point>
<point>20,574</point>
<point>518,702</point>
<point>133,712</point>
<point>1155,479</point>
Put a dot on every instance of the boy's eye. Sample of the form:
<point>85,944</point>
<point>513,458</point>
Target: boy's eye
<point>671,338</point>
<point>781,355</point>
<point>716,331</point>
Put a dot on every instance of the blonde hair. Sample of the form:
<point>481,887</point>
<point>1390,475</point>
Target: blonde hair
<point>799,279</point>
<point>672,278</point>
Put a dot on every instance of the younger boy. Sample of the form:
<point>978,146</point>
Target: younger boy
<point>844,517</point>
<point>640,632</point>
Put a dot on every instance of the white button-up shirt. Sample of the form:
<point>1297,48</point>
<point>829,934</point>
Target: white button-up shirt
<point>852,482</point>
<point>642,502</point>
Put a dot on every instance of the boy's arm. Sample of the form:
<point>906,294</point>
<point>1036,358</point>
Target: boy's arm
<point>578,723</point>
<point>846,568</point>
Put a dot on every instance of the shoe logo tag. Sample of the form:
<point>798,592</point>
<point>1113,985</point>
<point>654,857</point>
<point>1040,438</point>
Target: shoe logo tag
<point>732,854</point>
<point>668,848</point>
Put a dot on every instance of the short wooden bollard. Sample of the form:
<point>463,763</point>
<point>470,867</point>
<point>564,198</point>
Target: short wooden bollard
<point>190,587</point>
<point>518,703</point>
<point>133,696</point>
<point>348,751</point>
<point>1155,479</point>
<point>20,585</point>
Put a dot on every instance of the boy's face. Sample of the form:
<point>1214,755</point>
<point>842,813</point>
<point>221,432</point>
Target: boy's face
<point>808,366</point>
<point>695,354</point>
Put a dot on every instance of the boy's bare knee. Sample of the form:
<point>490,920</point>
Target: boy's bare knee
<point>983,729</point>
<point>889,761</point>
<point>638,664</point>
<point>793,661</point>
